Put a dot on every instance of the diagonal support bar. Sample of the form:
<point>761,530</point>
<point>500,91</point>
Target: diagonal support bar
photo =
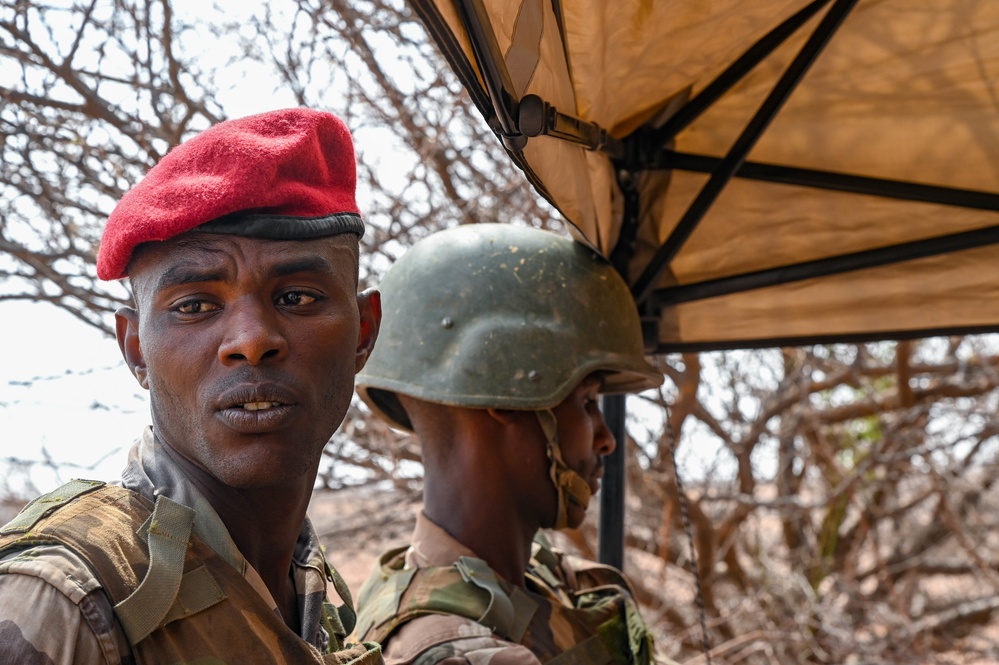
<point>733,160</point>
<point>733,74</point>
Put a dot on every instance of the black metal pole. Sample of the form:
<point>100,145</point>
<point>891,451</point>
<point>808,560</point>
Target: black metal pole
<point>611,537</point>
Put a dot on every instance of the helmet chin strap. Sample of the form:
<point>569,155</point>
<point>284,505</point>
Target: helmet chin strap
<point>569,485</point>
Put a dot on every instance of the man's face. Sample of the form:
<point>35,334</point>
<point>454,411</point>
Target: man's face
<point>248,348</point>
<point>584,439</point>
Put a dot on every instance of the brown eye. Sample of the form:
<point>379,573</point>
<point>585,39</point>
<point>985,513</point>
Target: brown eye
<point>195,307</point>
<point>296,299</point>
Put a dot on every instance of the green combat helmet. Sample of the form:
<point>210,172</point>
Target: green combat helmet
<point>499,316</point>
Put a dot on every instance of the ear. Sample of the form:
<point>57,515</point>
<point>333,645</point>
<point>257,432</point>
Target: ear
<point>505,417</point>
<point>126,322</point>
<point>369,304</point>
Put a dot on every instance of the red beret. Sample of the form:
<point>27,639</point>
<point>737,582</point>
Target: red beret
<point>280,175</point>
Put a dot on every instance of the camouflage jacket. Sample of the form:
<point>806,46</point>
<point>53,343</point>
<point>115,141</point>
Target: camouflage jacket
<point>435,602</point>
<point>83,572</point>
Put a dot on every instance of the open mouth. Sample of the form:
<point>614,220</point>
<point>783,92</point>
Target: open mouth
<point>258,406</point>
<point>256,417</point>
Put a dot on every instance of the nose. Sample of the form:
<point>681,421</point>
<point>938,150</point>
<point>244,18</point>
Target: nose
<point>253,334</point>
<point>603,440</point>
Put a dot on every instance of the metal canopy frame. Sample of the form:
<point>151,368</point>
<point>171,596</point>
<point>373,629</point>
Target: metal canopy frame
<point>515,121</point>
<point>727,167</point>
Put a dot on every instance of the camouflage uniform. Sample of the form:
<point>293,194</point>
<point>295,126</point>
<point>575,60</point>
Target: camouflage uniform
<point>54,609</point>
<point>435,602</point>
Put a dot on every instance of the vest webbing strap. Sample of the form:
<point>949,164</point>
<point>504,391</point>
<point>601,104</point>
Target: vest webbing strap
<point>198,591</point>
<point>382,593</point>
<point>47,504</point>
<point>149,604</point>
<point>507,615</point>
<point>344,614</point>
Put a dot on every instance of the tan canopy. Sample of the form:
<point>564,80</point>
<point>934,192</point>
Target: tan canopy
<point>864,208</point>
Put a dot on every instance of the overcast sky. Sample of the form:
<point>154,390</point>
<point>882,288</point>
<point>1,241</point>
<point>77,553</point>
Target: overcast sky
<point>64,390</point>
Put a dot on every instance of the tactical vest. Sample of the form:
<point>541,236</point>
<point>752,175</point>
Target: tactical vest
<point>177,600</point>
<point>595,624</point>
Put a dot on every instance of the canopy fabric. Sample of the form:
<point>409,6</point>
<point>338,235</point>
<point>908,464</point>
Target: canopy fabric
<point>904,90</point>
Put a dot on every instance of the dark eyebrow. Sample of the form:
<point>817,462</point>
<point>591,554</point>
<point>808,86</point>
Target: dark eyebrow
<point>194,274</point>
<point>306,264</point>
<point>188,274</point>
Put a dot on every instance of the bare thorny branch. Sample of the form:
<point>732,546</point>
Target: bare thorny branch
<point>91,97</point>
<point>876,501</point>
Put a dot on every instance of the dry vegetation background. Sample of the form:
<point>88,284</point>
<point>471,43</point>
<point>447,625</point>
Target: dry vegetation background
<point>841,497</point>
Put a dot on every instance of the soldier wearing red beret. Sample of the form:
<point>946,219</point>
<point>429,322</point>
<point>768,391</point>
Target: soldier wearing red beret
<point>241,247</point>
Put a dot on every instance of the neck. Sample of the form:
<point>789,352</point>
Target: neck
<point>265,527</point>
<point>503,543</point>
<point>471,497</point>
<point>264,523</point>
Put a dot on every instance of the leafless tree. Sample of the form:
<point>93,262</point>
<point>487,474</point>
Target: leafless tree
<point>92,94</point>
<point>848,510</point>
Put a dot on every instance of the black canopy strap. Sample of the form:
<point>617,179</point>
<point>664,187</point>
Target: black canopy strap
<point>453,52</point>
<point>833,265</point>
<point>493,69</point>
<point>727,167</point>
<point>537,117</point>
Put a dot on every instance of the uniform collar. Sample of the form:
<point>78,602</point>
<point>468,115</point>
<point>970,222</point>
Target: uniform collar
<point>151,472</point>
<point>433,546</point>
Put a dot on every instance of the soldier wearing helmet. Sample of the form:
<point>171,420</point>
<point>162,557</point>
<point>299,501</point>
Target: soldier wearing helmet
<point>496,344</point>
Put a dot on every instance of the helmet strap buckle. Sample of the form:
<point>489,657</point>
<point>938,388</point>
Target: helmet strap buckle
<point>569,485</point>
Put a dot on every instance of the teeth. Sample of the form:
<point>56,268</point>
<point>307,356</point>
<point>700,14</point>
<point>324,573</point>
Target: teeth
<point>260,406</point>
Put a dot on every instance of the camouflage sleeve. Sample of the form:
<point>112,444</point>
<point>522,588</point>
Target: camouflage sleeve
<point>439,639</point>
<point>53,612</point>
